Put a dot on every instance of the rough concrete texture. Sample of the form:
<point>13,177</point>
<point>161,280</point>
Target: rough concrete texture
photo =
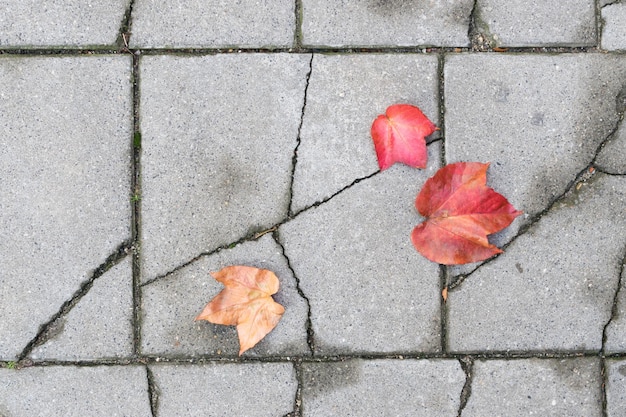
<point>542,387</point>
<point>537,23</point>
<point>213,23</point>
<point>100,325</point>
<point>225,389</point>
<point>612,157</point>
<point>385,23</point>
<point>355,261</point>
<point>218,136</point>
<point>345,94</point>
<point>170,305</point>
<point>61,23</point>
<point>550,290</point>
<point>615,387</point>
<point>614,27</point>
<point>382,388</point>
<point>74,391</point>
<point>616,330</point>
<point>65,135</point>
<point>507,110</point>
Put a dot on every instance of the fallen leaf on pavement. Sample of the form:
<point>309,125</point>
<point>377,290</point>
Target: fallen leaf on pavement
<point>246,302</point>
<point>460,210</point>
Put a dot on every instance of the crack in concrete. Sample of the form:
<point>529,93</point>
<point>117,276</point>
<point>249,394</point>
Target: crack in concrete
<point>294,159</point>
<point>582,176</point>
<point>297,36</point>
<point>47,328</point>
<point>123,37</point>
<point>310,339</point>
<point>467,364</point>
<point>297,401</point>
<point>153,392</point>
<point>614,305</point>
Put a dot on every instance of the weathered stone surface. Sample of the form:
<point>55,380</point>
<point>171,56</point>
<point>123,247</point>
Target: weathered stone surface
<point>537,23</point>
<point>233,389</point>
<point>542,387</point>
<point>64,23</point>
<point>385,23</point>
<point>508,110</point>
<point>213,23</point>
<point>170,305</point>
<point>65,137</point>
<point>74,391</point>
<point>553,287</point>
<point>614,27</point>
<point>382,388</point>
<point>100,326</point>
<point>345,94</point>
<point>616,387</point>
<point>369,289</point>
<point>218,134</point>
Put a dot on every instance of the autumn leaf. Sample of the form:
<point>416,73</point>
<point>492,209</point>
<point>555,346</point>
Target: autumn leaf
<point>246,302</point>
<point>460,210</point>
<point>399,136</point>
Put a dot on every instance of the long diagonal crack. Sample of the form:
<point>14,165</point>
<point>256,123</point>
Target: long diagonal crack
<point>467,364</point>
<point>123,36</point>
<point>583,175</point>
<point>45,329</point>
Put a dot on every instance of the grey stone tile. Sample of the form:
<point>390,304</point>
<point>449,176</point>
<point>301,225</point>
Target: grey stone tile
<point>346,93</point>
<point>385,23</point>
<point>509,110</point>
<point>74,391</point>
<point>612,157</point>
<point>170,305</point>
<point>226,389</point>
<point>65,137</point>
<point>542,387</point>
<point>369,289</point>
<point>213,23</point>
<point>553,287</point>
<point>537,23</point>
<point>616,330</point>
<point>616,387</point>
<point>218,134</point>
<point>62,23</point>
<point>100,326</point>
<point>614,27</point>
<point>382,388</point>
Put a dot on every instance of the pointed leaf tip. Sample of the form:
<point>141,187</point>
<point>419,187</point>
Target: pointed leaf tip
<point>460,210</point>
<point>399,136</point>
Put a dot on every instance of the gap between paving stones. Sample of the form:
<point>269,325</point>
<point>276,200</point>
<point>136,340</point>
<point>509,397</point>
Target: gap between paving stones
<point>582,176</point>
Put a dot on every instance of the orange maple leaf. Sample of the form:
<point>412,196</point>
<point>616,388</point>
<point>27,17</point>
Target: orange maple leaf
<point>460,210</point>
<point>246,302</point>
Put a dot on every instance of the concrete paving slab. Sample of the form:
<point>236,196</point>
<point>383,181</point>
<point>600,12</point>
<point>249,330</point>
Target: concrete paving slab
<point>62,23</point>
<point>614,27</point>
<point>226,389</point>
<point>100,326</point>
<point>213,23</point>
<point>65,138</point>
<point>218,136</point>
<point>537,23</point>
<point>616,330</point>
<point>554,286</point>
<point>542,387</point>
<point>508,110</point>
<point>170,305</point>
<point>74,391</point>
<point>612,158</point>
<point>382,388</point>
<point>615,387</point>
<point>385,23</point>
<point>345,94</point>
<point>369,289</point>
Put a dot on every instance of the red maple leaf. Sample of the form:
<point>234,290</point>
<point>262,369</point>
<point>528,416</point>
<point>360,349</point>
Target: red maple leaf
<point>460,210</point>
<point>399,136</point>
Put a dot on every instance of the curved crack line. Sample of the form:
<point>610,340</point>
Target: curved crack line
<point>614,305</point>
<point>467,364</point>
<point>44,332</point>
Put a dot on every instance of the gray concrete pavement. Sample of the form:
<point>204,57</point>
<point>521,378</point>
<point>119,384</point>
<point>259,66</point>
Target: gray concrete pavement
<point>146,144</point>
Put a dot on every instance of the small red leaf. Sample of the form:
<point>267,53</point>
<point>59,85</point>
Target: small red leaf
<point>460,212</point>
<point>399,136</point>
